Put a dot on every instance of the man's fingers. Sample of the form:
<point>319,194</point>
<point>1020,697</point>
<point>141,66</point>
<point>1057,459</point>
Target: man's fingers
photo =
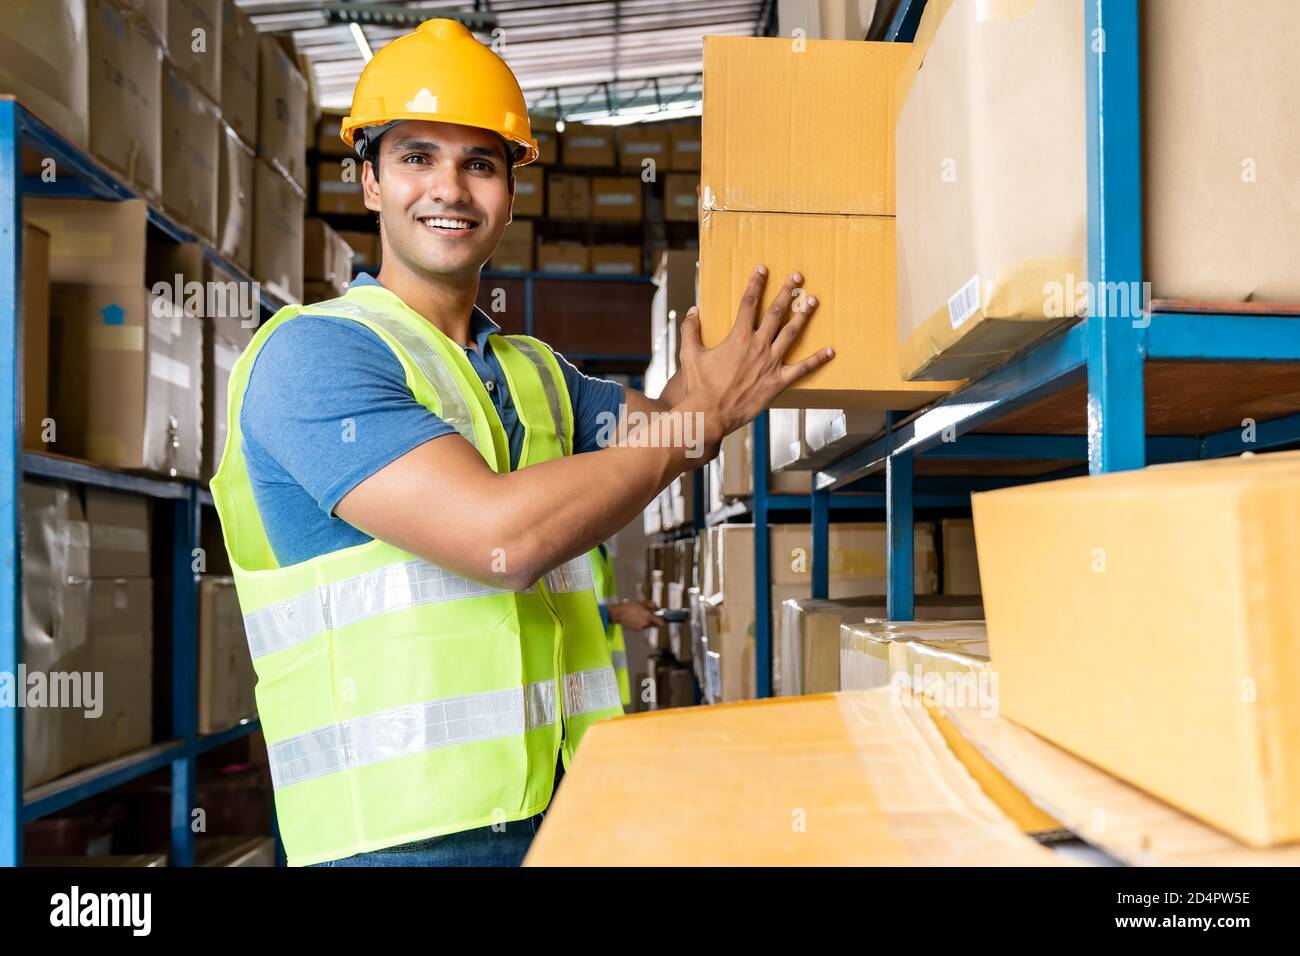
<point>793,373</point>
<point>747,315</point>
<point>775,313</point>
<point>790,331</point>
<point>690,330</point>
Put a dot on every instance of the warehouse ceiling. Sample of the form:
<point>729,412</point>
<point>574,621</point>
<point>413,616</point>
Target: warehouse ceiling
<point>596,60</point>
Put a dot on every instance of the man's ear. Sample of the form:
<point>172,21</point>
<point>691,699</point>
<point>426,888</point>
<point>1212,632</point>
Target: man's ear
<point>370,186</point>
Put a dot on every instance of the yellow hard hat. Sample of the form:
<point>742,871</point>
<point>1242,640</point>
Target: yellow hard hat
<point>441,73</point>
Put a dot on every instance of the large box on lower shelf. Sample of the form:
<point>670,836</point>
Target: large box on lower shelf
<point>226,678</point>
<point>1148,621</point>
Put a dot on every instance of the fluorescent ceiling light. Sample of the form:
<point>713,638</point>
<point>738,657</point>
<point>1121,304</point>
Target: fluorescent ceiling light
<point>362,43</point>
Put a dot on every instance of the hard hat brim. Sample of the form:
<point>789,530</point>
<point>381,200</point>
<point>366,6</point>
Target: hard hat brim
<point>347,131</point>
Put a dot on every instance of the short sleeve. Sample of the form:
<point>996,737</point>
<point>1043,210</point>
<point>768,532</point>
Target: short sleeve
<point>596,405</point>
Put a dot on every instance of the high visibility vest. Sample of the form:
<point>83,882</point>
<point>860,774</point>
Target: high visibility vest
<point>602,572</point>
<point>399,700</point>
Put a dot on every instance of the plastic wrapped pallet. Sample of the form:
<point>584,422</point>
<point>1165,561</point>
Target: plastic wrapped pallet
<point>873,653</point>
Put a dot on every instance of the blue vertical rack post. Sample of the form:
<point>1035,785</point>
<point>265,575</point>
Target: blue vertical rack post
<point>81,176</point>
<point>900,562</point>
<point>762,563</point>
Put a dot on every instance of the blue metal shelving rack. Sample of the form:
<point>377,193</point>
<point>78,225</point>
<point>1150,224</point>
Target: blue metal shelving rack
<point>1108,352</point>
<point>79,176</point>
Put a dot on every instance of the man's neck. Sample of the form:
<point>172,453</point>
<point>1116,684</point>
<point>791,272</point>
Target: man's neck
<point>447,303</point>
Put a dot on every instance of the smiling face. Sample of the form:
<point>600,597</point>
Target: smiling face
<point>443,194</point>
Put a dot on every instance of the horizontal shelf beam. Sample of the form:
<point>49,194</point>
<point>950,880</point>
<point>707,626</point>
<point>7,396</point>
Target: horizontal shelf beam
<point>1263,435</point>
<point>1191,336</point>
<point>64,792</point>
<point>206,742</point>
<point>38,465</point>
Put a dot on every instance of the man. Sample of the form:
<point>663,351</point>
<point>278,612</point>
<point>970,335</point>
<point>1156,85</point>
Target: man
<point>408,497</point>
<point>617,615</point>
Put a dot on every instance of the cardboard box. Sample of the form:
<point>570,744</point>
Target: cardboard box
<point>235,172</point>
<point>827,19</point>
<point>44,62</point>
<point>191,136</point>
<point>548,140</point>
<point>280,209</point>
<point>530,191</point>
<point>685,142</point>
<point>562,257</point>
<point>153,14</point>
<point>643,146</point>
<point>731,473</point>
<point>830,167</point>
<point>194,42</point>
<point>125,96</point>
<point>924,656</point>
<point>848,264</point>
<point>219,851</point>
<point>91,241</point>
<point>281,112</point>
<point>56,600</point>
<point>875,783</point>
<point>338,187</point>
<point>329,135</point>
<point>831,432</point>
<point>326,257</point>
<point>239,60</point>
<point>119,534</point>
<point>36,335</point>
<point>583,145</point>
<point>616,198</point>
<point>224,340</point>
<point>226,678</point>
<point>961,568</point>
<point>785,438</point>
<point>678,502</point>
<point>568,197</point>
<point>365,248</point>
<point>681,197</point>
<point>514,253</point>
<point>120,642</point>
<point>616,260</point>
<point>674,280</point>
<point>1168,593</point>
<point>128,392</point>
<point>992,228</point>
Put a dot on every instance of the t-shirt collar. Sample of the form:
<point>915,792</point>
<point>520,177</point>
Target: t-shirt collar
<point>480,323</point>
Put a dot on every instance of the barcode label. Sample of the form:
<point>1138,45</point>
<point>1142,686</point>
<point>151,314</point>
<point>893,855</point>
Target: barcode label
<point>615,199</point>
<point>965,303</point>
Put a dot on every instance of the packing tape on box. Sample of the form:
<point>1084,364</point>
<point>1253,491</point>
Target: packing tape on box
<point>986,10</point>
<point>169,370</point>
<point>115,338</point>
<point>80,245</point>
<point>113,537</point>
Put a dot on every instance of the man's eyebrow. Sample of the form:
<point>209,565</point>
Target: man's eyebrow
<point>430,147</point>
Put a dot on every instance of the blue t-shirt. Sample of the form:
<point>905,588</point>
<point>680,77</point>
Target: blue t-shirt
<point>327,406</point>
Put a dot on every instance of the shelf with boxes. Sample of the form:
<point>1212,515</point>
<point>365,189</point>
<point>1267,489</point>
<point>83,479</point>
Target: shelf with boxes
<point>1188,367</point>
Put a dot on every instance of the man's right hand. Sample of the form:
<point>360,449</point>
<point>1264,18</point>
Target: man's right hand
<point>738,378</point>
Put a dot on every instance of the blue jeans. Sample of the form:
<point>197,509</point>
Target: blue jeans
<point>482,846</point>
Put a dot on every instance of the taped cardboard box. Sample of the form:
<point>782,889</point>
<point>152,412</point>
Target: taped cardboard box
<point>961,567</point>
<point>329,134</point>
<point>153,13</point>
<point>530,191</point>
<point>226,678</point>
<point>610,260</point>
<point>568,197</point>
<point>731,473</point>
<point>194,42</point>
<point>125,96</point>
<point>674,280</point>
<point>92,242</point>
<point>832,432</point>
<point>616,198</point>
<point>684,142</point>
<point>119,534</point>
<point>514,253</point>
<point>281,112</point>
<point>548,140</point>
<point>880,778</point>
<point>56,602</point>
<point>1180,619</point>
<point>563,257</point>
<point>191,136</point>
<point>120,626</point>
<point>785,438</point>
<point>44,62</point>
<point>326,257</point>
<point>224,340</point>
<point>681,197</point>
<point>36,336</point>
<point>643,146</point>
<point>583,145</point>
<point>809,636</point>
<point>239,63</point>
<point>365,247</point>
<point>338,187</point>
<point>916,654</point>
<point>236,169</point>
<point>992,217</point>
<point>280,208</point>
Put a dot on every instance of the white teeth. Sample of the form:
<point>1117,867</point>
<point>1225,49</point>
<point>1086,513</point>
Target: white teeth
<point>447,223</point>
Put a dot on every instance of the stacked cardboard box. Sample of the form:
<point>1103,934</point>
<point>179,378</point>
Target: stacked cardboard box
<point>832,432</point>
<point>44,62</point>
<point>280,179</point>
<point>224,339</point>
<point>514,253</point>
<point>236,169</point>
<point>191,134</point>
<point>226,678</point>
<point>674,279</point>
<point>615,260</point>
<point>992,214</point>
<point>876,653</point>
<point>1166,598</point>
<point>126,114</point>
<point>36,336</point>
<point>548,140</point>
<point>583,145</point>
<point>684,146</point>
<point>615,199</point>
<point>643,147</point>
<point>127,387</point>
<point>87,626</point>
<point>731,473</point>
<point>568,196</point>
<point>822,205</point>
<point>810,638</point>
<point>961,569</point>
<point>857,568</point>
<point>239,72</point>
<point>563,258</point>
<point>329,135</point>
<point>681,197</point>
<point>530,191</point>
<point>338,187</point>
<point>327,262</point>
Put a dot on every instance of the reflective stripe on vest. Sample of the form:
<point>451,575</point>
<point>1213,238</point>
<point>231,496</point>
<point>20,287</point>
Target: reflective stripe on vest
<point>394,587</point>
<point>620,659</point>
<point>529,351</point>
<point>436,723</point>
